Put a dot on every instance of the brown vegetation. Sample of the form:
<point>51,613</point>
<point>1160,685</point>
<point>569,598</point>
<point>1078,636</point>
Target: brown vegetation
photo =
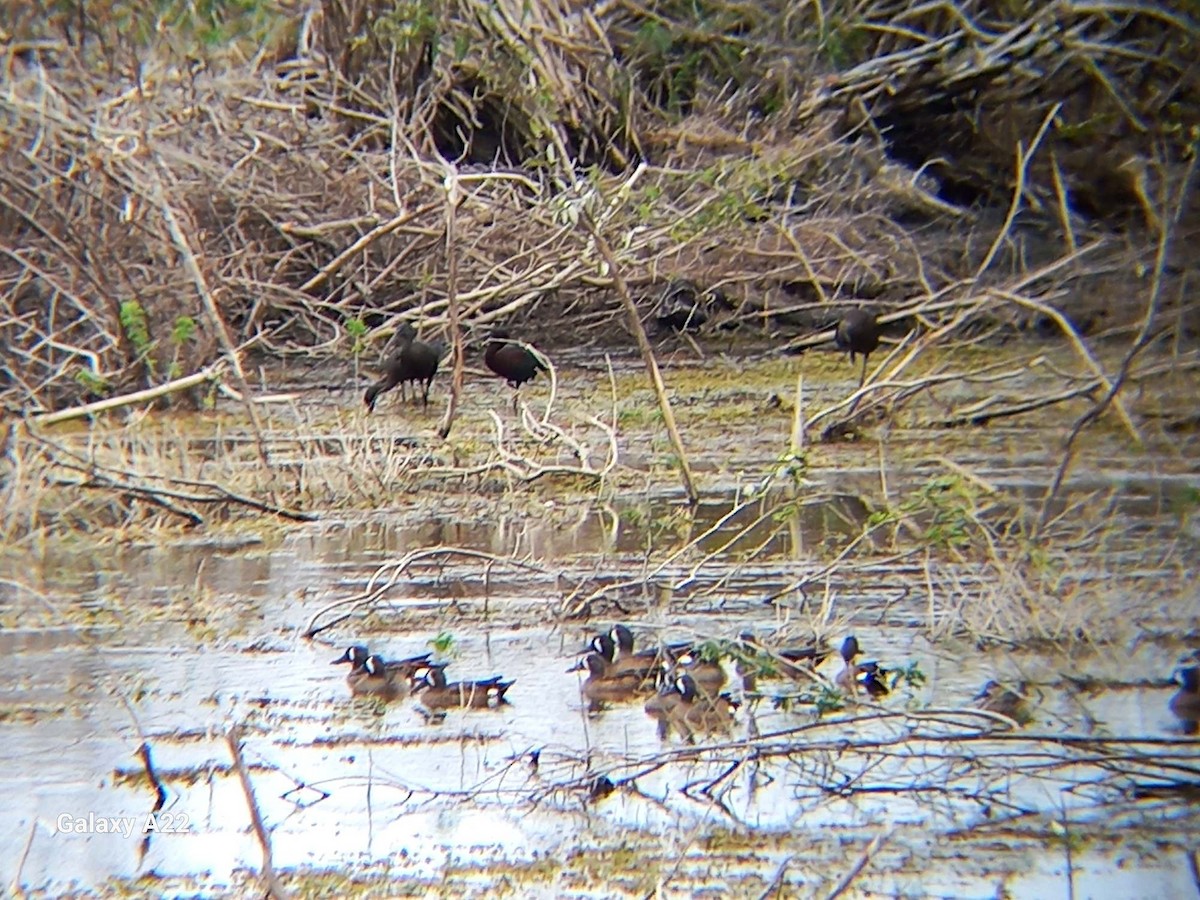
<point>163,200</point>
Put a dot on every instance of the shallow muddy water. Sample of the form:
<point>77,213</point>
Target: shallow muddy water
<point>169,642</point>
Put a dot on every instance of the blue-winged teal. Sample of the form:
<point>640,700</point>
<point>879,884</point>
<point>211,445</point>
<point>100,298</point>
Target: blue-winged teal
<point>681,706</point>
<point>431,688</point>
<point>413,361</point>
<point>1185,702</point>
<point>605,685</point>
<point>512,362</point>
<point>659,656</point>
<point>858,332</point>
<point>616,647</point>
<point>854,676</point>
<point>374,679</point>
<point>708,674</point>
<point>758,660</point>
<point>995,697</point>
<point>356,655</point>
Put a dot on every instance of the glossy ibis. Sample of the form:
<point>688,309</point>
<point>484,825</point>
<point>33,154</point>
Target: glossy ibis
<point>858,332</point>
<point>413,360</point>
<point>510,360</point>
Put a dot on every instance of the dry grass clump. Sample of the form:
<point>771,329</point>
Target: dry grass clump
<point>170,201</point>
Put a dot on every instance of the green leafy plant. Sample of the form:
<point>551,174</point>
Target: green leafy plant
<point>136,326</point>
<point>829,700</point>
<point>711,651</point>
<point>410,25</point>
<point>183,331</point>
<point>92,383</point>
<point>357,329</point>
<point>444,644</point>
<point>910,675</point>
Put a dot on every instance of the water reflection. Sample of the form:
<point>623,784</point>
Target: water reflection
<point>342,781</point>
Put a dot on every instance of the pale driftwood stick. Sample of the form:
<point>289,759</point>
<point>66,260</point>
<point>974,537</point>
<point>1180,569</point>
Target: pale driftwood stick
<point>1144,336</point>
<point>179,384</point>
<point>274,889</point>
<point>362,243</point>
<point>643,342</point>
<point>14,886</point>
<point>777,880</point>
<point>1084,352</point>
<point>796,445</point>
<point>1024,158</point>
<point>982,417</point>
<point>453,198</point>
<point>374,589</point>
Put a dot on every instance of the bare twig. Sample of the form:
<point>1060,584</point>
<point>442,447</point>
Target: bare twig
<point>453,198</point>
<point>647,351</point>
<point>274,888</point>
<point>859,864</point>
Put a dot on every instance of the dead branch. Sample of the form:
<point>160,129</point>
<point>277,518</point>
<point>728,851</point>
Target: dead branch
<point>453,199</point>
<point>211,373</point>
<point>387,575</point>
<point>859,864</point>
<point>100,476</point>
<point>233,739</point>
<point>639,333</point>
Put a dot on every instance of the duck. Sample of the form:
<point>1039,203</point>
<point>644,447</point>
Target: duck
<point>758,660</point>
<point>681,706</point>
<point>868,676</point>
<point>1185,702</point>
<point>412,361</point>
<point>616,647</point>
<point>374,679</point>
<point>431,688</point>
<point>510,360</point>
<point>995,697</point>
<point>356,655</point>
<point>708,674</point>
<point>858,332</point>
<point>604,685</point>
<point>622,636</point>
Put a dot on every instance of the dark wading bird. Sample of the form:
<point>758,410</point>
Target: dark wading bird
<point>413,361</point>
<point>508,359</point>
<point>858,332</point>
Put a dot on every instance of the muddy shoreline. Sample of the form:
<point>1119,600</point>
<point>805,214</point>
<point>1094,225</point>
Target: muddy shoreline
<point>909,536</point>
